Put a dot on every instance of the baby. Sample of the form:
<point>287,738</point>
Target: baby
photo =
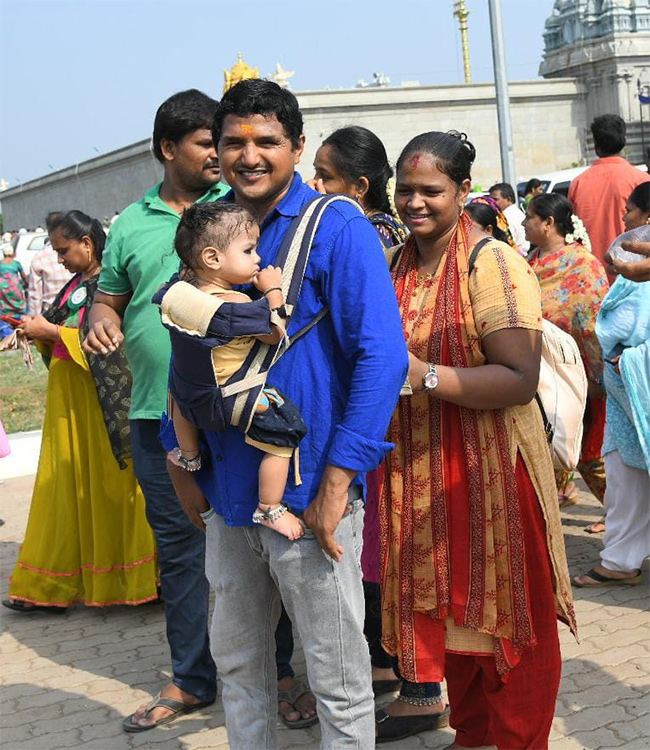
<point>217,243</point>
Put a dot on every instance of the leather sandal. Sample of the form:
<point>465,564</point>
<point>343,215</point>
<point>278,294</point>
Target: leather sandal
<point>393,728</point>
<point>18,605</point>
<point>178,707</point>
<point>602,580</point>
<point>291,697</point>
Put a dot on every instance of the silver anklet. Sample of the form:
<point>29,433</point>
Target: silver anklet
<point>412,701</point>
<point>187,464</point>
<point>269,515</point>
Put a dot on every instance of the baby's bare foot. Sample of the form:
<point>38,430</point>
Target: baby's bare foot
<point>287,524</point>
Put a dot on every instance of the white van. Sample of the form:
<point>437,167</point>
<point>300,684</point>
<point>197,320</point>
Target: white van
<point>559,182</point>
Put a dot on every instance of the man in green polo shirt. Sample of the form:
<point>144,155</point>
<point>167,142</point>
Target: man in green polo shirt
<point>139,257</point>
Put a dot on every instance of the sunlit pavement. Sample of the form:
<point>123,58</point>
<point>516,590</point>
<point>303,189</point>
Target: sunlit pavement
<point>67,681</point>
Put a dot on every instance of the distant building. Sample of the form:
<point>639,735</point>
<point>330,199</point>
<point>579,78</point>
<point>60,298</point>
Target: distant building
<point>605,45</point>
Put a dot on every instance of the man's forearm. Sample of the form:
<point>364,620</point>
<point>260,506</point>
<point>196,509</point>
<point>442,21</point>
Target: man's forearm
<point>335,479</point>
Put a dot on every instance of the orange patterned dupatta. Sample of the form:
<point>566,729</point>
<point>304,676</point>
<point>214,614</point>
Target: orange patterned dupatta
<point>452,538</point>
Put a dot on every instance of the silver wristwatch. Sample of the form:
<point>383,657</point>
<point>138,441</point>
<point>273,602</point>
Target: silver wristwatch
<point>430,379</point>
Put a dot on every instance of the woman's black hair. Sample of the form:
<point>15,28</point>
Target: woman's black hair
<point>486,216</point>
<point>180,115</point>
<point>357,152</point>
<point>75,225</point>
<point>453,153</point>
<point>256,96</point>
<point>554,205</point>
<point>640,197</point>
<point>531,185</point>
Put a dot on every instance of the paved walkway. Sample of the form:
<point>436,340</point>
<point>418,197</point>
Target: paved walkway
<point>68,680</point>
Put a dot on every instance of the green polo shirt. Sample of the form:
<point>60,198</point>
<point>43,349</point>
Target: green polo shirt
<point>138,258</point>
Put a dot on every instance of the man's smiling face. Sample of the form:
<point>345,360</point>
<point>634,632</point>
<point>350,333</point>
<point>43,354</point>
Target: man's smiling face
<point>257,158</point>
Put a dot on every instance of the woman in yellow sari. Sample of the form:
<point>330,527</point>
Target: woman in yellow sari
<point>87,537</point>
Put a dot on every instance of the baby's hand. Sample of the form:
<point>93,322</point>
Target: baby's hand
<point>268,278</point>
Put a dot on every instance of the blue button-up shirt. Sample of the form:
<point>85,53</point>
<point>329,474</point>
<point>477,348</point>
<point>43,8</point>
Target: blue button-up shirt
<point>344,375</point>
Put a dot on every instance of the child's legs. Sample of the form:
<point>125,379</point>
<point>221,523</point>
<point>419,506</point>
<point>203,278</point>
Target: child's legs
<point>274,472</point>
<point>187,434</point>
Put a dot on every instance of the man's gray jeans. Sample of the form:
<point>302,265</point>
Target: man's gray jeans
<point>251,569</point>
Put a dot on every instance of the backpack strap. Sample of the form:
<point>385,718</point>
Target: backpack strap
<point>477,249</point>
<point>548,427</point>
<point>292,257</point>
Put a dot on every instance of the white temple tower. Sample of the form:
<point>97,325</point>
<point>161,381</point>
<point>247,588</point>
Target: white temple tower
<point>605,44</point>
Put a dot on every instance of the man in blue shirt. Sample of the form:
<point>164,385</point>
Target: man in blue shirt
<point>344,375</point>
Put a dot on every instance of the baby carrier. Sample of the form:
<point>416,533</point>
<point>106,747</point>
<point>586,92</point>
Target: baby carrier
<point>213,407</point>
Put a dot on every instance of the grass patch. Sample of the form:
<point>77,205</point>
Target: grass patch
<point>22,392</point>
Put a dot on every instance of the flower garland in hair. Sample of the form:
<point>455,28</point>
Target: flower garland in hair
<point>579,234</point>
<point>390,192</point>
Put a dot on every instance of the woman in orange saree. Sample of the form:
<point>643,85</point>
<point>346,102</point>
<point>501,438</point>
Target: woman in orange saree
<point>474,573</point>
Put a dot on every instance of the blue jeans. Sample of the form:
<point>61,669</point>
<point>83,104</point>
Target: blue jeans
<point>181,557</point>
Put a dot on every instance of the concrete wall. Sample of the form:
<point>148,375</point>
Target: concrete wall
<point>99,187</point>
<point>548,122</point>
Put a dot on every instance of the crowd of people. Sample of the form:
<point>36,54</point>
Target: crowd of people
<point>319,399</point>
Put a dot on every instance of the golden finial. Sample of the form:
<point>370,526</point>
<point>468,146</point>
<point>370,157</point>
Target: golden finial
<point>461,13</point>
<point>239,72</point>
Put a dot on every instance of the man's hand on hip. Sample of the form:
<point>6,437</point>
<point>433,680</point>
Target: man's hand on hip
<point>328,507</point>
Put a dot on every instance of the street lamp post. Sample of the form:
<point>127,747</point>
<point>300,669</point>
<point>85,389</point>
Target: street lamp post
<point>640,87</point>
<point>503,100</point>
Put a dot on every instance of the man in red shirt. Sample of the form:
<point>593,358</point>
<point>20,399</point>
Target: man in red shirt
<point>598,195</point>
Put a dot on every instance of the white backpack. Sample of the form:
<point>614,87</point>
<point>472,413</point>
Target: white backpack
<point>562,394</point>
<point>562,390</point>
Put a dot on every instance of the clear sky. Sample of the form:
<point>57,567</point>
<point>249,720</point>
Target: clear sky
<point>82,77</point>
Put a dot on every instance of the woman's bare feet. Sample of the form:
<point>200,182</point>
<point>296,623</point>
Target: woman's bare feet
<point>286,524</point>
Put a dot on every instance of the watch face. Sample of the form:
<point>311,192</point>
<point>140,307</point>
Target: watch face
<point>430,380</point>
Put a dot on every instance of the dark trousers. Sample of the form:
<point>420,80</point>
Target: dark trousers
<point>181,556</point>
<point>284,645</point>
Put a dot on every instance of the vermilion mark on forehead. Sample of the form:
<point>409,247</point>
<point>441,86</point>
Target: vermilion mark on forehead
<point>248,129</point>
<point>414,161</point>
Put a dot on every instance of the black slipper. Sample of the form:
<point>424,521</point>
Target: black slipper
<point>392,728</point>
<point>18,605</point>
<point>178,707</point>
<point>602,580</point>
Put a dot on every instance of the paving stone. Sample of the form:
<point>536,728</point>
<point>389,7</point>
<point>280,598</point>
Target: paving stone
<point>600,739</point>
<point>83,672</point>
<point>55,741</point>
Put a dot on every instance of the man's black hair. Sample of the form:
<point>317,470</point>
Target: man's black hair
<point>255,96</point>
<point>181,114</point>
<point>506,191</point>
<point>609,134</point>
